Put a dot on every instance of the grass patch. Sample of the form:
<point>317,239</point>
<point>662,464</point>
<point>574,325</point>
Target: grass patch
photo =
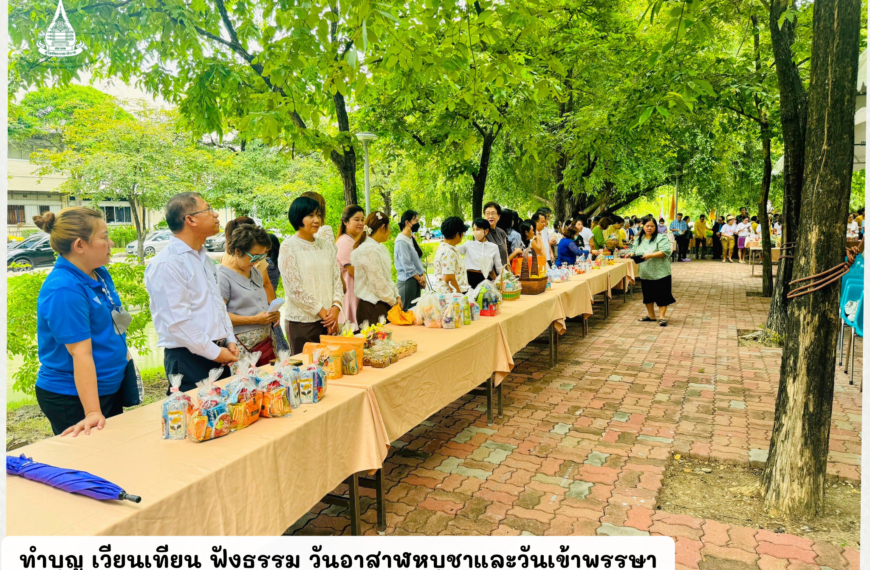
<point>26,424</point>
<point>761,336</point>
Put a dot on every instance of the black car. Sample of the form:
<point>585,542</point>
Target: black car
<point>33,251</point>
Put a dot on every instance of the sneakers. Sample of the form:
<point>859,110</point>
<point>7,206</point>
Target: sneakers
<point>687,259</point>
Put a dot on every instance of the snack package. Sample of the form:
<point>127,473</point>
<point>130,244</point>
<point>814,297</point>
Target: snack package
<point>210,417</point>
<point>176,409</point>
<point>312,384</point>
<point>334,368</point>
<point>245,400</point>
<point>289,375</point>
<point>475,310</point>
<point>349,364</point>
<point>275,392</point>
<point>309,349</point>
<point>488,298</point>
<point>448,317</point>
<point>457,310</point>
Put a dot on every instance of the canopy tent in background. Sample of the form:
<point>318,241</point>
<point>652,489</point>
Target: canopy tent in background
<point>860,157</point>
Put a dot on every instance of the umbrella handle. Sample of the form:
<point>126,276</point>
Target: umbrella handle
<point>125,497</point>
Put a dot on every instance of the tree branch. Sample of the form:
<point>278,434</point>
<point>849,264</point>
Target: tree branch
<point>743,113</point>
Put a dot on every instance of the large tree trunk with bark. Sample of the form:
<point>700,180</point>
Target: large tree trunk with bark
<point>562,198</point>
<point>764,127</point>
<point>794,477</point>
<point>479,187</point>
<point>345,163</point>
<point>793,115</point>
<point>763,222</point>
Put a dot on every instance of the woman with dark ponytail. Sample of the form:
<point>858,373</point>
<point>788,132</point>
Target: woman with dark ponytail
<point>373,280</point>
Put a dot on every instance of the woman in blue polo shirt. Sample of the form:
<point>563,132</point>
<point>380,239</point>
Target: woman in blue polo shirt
<point>82,348</point>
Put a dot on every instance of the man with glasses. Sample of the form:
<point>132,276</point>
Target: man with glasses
<point>190,317</point>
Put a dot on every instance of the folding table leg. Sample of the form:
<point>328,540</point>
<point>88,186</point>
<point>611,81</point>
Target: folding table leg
<point>606,304</point>
<point>500,408</point>
<point>556,345</point>
<point>840,342</point>
<point>353,496</point>
<point>552,331</point>
<point>625,289</point>
<point>489,384</point>
<point>379,498</point>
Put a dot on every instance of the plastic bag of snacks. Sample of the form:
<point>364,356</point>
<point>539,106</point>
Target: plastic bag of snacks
<point>175,410</point>
<point>245,399</point>
<point>288,374</point>
<point>428,311</point>
<point>332,362</point>
<point>210,417</point>
<point>488,298</point>
<point>276,393</point>
<point>312,384</point>
<point>448,317</point>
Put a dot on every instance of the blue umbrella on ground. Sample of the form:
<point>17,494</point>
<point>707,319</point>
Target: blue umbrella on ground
<point>70,480</point>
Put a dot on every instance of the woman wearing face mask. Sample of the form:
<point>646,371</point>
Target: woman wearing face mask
<point>241,287</point>
<point>352,221</point>
<point>373,280</point>
<point>409,267</point>
<point>482,258</point>
<point>82,345</point>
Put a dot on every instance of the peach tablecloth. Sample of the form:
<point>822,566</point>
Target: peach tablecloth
<point>257,481</point>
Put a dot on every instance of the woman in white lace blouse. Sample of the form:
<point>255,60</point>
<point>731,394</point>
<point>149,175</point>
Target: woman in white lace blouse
<point>311,276</point>
<point>373,279</point>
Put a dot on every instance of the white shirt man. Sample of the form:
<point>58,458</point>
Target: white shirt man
<point>189,315</point>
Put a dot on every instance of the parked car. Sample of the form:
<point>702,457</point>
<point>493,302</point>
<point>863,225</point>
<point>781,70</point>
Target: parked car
<point>33,251</point>
<point>154,242</point>
<point>216,243</point>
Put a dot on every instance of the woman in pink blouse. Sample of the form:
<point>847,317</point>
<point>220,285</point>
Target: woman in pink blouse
<point>352,222</point>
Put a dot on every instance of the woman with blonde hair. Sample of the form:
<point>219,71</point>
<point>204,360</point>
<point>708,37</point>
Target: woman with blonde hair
<point>373,268</point>
<point>80,326</point>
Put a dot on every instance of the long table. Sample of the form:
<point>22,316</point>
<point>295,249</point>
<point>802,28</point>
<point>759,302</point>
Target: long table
<point>257,481</point>
<point>260,480</point>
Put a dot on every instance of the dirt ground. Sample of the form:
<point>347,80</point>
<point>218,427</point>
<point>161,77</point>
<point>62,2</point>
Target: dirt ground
<point>710,491</point>
<point>27,424</point>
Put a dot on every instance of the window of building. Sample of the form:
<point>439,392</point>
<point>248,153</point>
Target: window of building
<point>44,209</point>
<point>117,214</point>
<point>14,215</point>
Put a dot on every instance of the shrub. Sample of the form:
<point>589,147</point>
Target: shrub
<point>122,235</point>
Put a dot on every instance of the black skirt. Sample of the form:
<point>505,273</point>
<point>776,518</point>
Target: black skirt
<point>300,333</point>
<point>365,311</point>
<point>657,291</point>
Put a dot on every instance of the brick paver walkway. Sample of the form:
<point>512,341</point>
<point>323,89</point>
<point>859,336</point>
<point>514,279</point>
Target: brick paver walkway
<point>582,448</point>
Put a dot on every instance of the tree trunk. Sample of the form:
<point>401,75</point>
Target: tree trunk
<point>480,178</point>
<point>794,476</point>
<point>763,223</point>
<point>561,200</point>
<point>793,116</point>
<point>140,232</point>
<point>764,126</point>
<point>346,163</point>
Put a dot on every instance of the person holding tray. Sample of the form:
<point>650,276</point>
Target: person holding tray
<point>373,268</point>
<point>652,250</point>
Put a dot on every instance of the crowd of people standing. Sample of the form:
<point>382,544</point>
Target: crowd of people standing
<point>207,316</point>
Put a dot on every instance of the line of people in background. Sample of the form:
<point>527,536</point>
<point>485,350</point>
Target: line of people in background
<point>207,316</point>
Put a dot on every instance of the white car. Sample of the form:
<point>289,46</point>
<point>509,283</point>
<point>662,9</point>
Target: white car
<point>154,242</point>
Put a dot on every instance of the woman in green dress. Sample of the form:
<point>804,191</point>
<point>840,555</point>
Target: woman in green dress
<point>655,271</point>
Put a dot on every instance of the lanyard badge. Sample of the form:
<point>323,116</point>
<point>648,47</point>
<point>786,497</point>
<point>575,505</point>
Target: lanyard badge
<point>120,317</point>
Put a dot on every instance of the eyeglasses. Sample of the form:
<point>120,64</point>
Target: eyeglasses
<point>256,258</point>
<point>209,209</point>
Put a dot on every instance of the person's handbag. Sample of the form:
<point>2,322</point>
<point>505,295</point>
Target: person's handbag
<point>132,388</point>
<point>264,347</point>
